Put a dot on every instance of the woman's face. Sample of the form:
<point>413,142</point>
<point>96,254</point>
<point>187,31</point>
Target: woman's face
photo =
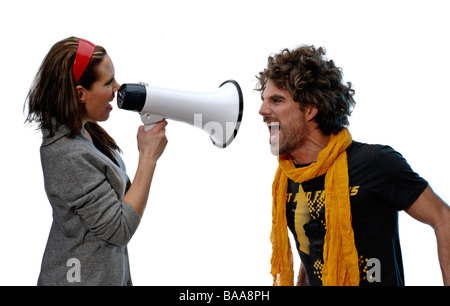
<point>97,99</point>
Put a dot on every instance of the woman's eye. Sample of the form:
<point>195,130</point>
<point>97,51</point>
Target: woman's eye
<point>109,82</point>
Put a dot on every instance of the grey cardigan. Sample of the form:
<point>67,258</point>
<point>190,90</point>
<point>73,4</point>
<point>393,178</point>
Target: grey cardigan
<point>91,228</point>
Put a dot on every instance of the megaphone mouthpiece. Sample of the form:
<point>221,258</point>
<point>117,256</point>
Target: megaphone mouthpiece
<point>132,97</point>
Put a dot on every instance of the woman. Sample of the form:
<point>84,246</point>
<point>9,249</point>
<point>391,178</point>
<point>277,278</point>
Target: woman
<point>96,210</point>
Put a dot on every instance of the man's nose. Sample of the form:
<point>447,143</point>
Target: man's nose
<point>264,109</point>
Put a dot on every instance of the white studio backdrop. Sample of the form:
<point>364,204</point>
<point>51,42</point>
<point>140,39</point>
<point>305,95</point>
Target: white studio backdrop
<point>208,218</point>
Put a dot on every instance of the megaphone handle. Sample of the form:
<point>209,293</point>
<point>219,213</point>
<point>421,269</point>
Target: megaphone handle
<point>150,120</point>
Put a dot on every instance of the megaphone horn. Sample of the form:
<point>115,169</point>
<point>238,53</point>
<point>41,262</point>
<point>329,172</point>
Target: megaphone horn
<point>218,112</point>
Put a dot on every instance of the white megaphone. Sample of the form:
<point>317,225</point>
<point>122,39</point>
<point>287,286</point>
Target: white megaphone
<point>218,112</point>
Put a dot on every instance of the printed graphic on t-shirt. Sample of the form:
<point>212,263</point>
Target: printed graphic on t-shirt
<point>309,223</point>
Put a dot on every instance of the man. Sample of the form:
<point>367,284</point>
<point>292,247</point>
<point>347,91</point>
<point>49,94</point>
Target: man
<point>340,198</point>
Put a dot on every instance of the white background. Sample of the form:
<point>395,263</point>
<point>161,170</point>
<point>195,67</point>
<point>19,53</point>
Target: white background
<point>208,218</point>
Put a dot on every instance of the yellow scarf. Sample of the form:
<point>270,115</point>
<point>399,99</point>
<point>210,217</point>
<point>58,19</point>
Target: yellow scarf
<point>339,253</point>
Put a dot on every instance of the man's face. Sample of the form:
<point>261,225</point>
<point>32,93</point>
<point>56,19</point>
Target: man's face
<point>286,122</point>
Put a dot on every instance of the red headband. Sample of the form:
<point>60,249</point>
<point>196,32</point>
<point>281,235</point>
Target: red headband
<point>85,51</point>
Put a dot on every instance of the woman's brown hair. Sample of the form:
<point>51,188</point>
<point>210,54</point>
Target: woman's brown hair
<point>53,100</point>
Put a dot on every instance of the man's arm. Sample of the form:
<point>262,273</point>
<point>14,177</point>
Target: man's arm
<point>432,210</point>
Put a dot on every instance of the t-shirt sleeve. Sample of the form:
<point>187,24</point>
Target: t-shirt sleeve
<point>393,179</point>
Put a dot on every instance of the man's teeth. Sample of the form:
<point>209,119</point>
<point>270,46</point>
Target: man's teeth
<point>274,128</point>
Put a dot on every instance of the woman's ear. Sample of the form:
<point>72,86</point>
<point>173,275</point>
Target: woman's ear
<point>81,93</point>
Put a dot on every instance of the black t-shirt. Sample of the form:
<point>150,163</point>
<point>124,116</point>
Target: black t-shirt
<point>381,183</point>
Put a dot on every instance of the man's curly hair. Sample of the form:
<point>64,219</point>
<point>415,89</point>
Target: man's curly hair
<point>312,80</point>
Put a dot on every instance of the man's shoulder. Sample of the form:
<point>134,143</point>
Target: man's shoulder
<point>361,147</point>
<point>366,150</point>
<point>369,156</point>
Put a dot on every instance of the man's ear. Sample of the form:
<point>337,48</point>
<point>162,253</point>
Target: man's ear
<point>311,112</point>
<point>81,93</point>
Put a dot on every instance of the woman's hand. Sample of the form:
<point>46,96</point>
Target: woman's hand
<point>151,143</point>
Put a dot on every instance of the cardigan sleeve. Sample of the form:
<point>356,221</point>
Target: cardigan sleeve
<point>85,188</point>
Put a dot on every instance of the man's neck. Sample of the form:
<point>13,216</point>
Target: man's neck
<point>310,149</point>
